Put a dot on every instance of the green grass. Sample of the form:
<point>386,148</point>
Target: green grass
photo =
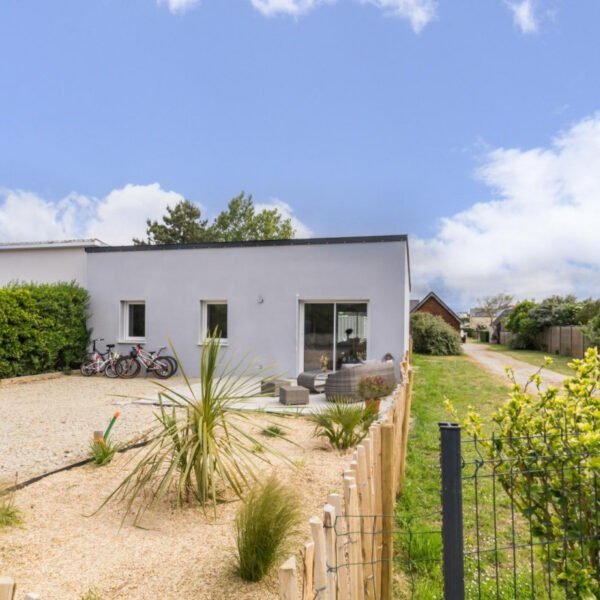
<point>536,358</point>
<point>418,540</point>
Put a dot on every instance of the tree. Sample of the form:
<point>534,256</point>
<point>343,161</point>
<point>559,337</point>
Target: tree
<point>240,222</point>
<point>181,225</point>
<point>556,310</point>
<point>490,306</point>
<point>521,323</point>
<point>589,309</point>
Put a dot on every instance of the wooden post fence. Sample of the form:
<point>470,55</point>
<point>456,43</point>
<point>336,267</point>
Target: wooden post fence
<point>351,553</point>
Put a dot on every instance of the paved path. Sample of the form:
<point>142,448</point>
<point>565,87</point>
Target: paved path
<point>496,362</point>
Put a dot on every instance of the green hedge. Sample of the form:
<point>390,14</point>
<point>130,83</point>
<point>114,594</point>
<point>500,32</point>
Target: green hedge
<point>42,327</point>
<point>432,335</point>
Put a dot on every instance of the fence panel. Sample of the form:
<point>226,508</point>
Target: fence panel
<point>531,517</point>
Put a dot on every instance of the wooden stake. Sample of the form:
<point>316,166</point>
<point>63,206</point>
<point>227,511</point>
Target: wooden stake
<point>288,587</point>
<point>308,571</point>
<point>7,588</point>
<point>366,510</point>
<point>387,456</point>
<point>354,540</point>
<point>405,426</point>
<point>341,528</point>
<point>330,550</point>
<point>320,586</point>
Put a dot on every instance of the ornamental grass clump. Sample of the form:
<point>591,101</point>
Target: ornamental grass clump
<point>201,449</point>
<point>269,514</point>
<point>103,449</point>
<point>344,425</point>
<point>546,452</point>
<point>10,515</point>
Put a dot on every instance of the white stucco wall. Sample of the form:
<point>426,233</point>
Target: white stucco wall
<point>174,282</point>
<point>43,265</point>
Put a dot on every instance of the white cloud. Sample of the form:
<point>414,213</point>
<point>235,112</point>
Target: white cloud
<point>295,8</point>
<point>524,15</point>
<point>179,6</point>
<point>115,219</point>
<point>302,230</point>
<point>537,236</point>
<point>418,12</point>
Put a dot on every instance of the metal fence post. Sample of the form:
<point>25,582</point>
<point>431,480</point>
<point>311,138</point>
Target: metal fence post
<point>452,517</point>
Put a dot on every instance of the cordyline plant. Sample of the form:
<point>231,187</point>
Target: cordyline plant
<point>547,458</point>
<point>201,449</point>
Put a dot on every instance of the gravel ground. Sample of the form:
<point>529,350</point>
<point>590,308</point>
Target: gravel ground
<point>173,555</point>
<point>49,423</point>
<point>496,362</point>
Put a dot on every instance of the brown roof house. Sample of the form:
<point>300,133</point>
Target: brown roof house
<point>434,305</point>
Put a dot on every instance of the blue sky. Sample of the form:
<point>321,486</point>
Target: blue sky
<point>357,117</point>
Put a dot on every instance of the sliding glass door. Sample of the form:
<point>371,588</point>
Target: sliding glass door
<point>334,334</point>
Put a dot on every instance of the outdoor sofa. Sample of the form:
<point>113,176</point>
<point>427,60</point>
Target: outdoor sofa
<point>344,383</point>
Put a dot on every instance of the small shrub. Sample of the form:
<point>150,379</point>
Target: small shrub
<point>103,451</point>
<point>273,431</point>
<point>91,594</point>
<point>344,425</point>
<point>374,386</point>
<point>268,516</point>
<point>10,515</point>
<point>432,335</point>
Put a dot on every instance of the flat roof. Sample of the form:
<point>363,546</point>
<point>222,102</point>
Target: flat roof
<point>372,239</point>
<point>82,243</point>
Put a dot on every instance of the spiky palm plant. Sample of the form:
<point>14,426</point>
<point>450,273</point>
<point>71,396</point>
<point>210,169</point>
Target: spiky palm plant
<point>202,448</point>
<point>344,425</point>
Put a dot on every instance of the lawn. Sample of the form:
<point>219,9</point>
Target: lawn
<point>418,542</point>
<point>536,358</point>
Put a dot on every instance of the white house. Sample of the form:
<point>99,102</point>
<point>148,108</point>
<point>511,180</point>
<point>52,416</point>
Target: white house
<point>45,262</point>
<point>291,303</point>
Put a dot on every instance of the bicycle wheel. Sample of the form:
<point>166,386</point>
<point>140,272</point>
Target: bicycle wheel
<point>88,367</point>
<point>162,368</point>
<point>111,369</point>
<point>127,367</point>
<point>173,362</point>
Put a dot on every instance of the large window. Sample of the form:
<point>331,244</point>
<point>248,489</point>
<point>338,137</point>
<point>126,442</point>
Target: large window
<point>133,321</point>
<point>335,333</point>
<point>214,319</point>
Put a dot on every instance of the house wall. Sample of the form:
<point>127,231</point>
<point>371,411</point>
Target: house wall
<point>433,307</point>
<point>174,282</point>
<point>43,265</point>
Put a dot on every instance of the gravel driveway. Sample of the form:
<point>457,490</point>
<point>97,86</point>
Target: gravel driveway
<point>48,423</point>
<point>496,362</point>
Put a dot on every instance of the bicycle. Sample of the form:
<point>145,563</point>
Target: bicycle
<point>130,366</point>
<point>100,362</point>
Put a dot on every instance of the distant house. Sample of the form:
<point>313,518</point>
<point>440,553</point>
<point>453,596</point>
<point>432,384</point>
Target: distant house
<point>497,326</point>
<point>434,305</point>
<point>478,319</point>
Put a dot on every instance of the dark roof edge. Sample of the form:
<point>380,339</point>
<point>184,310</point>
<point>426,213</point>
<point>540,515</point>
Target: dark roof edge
<point>254,243</point>
<point>436,297</point>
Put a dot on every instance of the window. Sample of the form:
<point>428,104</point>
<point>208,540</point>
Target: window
<point>133,321</point>
<point>214,319</point>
